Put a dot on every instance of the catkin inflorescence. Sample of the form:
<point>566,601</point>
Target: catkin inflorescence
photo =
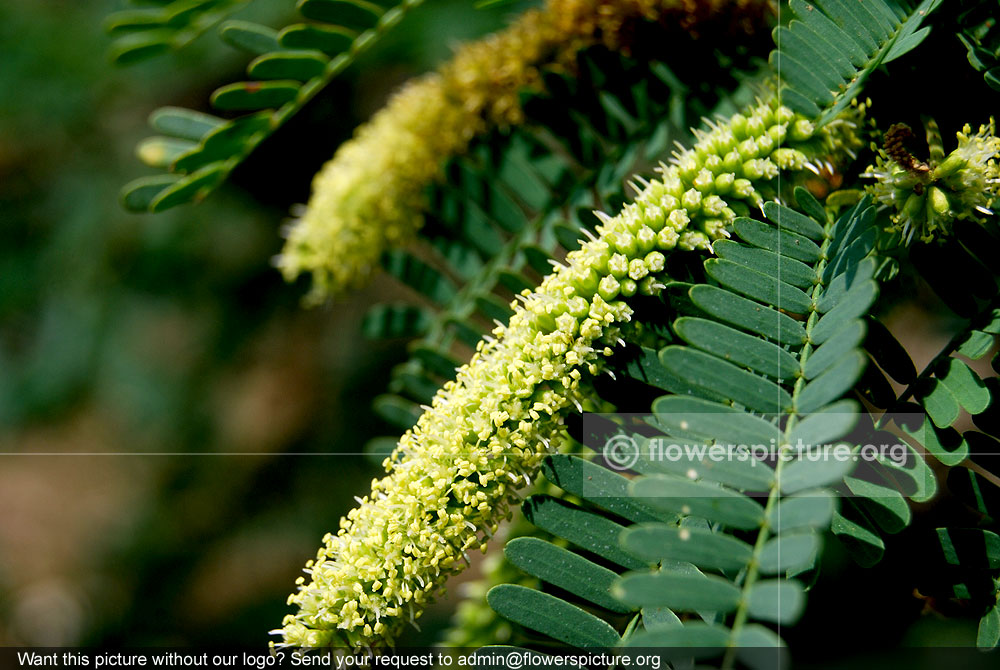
<point>371,195</point>
<point>453,476</point>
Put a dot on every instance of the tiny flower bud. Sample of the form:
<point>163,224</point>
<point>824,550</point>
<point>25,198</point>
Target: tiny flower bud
<point>704,181</point>
<point>637,269</point>
<point>679,219</point>
<point>952,164</point>
<point>578,307</point>
<point>655,262</point>
<point>914,205</point>
<point>713,205</point>
<point>802,130</point>
<point>748,149</point>
<point>648,286</point>
<point>645,239</point>
<point>691,200</point>
<point>777,134</point>
<point>789,159</point>
<point>609,288</point>
<point>742,188</point>
<point>626,244</point>
<point>724,182</point>
<point>618,266</point>
<point>667,238</point>
<point>938,201</point>
<point>738,124</point>
<point>756,124</point>
<point>733,161</point>
<point>754,169</point>
<point>694,239</point>
<point>715,228</point>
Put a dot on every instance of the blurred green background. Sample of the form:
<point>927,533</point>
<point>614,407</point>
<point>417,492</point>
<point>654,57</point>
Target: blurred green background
<point>136,352</point>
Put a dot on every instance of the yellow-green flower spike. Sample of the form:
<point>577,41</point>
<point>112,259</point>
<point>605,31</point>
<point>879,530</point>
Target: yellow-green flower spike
<point>926,198</point>
<point>453,476</point>
<point>371,196</point>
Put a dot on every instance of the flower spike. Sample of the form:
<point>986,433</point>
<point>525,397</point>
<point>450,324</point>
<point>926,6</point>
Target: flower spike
<point>453,476</point>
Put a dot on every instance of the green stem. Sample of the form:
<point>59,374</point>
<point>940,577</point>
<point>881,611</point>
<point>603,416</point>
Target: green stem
<point>362,43</point>
<point>209,20</point>
<point>985,315</point>
<point>774,493</point>
<point>753,569</point>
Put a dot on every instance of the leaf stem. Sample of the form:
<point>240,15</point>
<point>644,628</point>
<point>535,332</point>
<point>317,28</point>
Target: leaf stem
<point>362,43</point>
<point>945,353</point>
<point>774,493</point>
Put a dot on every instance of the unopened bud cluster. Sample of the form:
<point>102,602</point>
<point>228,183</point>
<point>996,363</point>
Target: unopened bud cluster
<point>926,198</point>
<point>454,475</point>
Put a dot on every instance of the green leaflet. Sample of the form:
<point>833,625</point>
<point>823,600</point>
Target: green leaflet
<point>777,601</point>
<point>561,567</point>
<point>563,621</point>
<point>678,591</point>
<point>988,635</point>
<point>809,509</point>
<point>143,32</point>
<point>699,499</point>
<point>250,37</point>
<point>703,548</point>
<point>586,530</point>
<point>604,488</point>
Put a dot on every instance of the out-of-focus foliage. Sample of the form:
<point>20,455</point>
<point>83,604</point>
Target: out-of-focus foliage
<point>981,37</point>
<point>292,66</point>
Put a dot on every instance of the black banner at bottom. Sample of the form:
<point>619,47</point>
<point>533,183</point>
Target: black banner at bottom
<point>487,658</point>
